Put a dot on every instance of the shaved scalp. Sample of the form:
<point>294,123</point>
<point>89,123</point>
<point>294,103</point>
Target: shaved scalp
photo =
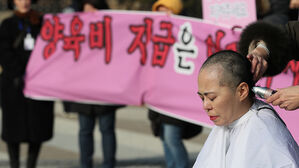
<point>235,68</point>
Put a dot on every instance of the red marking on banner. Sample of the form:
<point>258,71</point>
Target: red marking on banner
<point>47,30</point>
<point>99,32</point>
<point>231,46</point>
<point>269,82</point>
<point>108,39</point>
<point>148,26</point>
<point>294,67</point>
<point>58,31</point>
<point>51,33</point>
<point>73,42</point>
<point>161,44</point>
<point>213,47</point>
<point>96,35</point>
<point>160,55</point>
<point>49,50</point>
<point>140,31</point>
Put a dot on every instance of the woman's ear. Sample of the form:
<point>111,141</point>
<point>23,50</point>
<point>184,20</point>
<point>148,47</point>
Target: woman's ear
<point>243,91</point>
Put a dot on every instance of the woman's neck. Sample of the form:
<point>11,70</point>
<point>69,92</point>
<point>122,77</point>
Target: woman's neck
<point>243,108</point>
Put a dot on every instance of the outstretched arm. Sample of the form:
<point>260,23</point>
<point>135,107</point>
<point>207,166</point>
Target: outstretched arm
<point>286,98</point>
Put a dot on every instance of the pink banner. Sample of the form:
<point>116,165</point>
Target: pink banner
<point>133,58</point>
<point>289,77</point>
<point>230,12</point>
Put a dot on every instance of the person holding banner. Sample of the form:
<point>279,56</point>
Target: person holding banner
<point>170,130</point>
<point>270,48</point>
<point>168,6</point>
<point>23,119</point>
<point>248,132</point>
<point>89,113</point>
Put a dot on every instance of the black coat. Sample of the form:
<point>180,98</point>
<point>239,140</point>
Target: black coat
<point>157,119</point>
<point>23,119</point>
<point>278,13</point>
<point>89,109</point>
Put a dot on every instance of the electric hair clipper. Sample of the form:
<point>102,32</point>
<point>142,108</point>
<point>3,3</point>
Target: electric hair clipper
<point>263,92</point>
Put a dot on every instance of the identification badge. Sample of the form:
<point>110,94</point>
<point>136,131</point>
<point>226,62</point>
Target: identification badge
<point>28,42</point>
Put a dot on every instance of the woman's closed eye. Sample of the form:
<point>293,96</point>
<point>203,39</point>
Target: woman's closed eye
<point>208,96</point>
<point>212,98</point>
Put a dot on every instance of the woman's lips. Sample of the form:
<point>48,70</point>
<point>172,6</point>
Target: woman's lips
<point>213,118</point>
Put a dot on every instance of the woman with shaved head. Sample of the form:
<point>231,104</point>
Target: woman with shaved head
<point>248,133</point>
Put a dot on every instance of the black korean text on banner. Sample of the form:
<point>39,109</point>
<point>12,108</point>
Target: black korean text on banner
<point>184,50</point>
<point>161,44</point>
<point>100,35</point>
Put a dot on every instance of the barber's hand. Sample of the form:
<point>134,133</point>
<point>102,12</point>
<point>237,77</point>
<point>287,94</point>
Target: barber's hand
<point>286,98</point>
<point>294,4</point>
<point>259,64</point>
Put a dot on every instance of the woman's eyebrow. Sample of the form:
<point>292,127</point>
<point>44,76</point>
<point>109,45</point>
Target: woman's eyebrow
<point>206,93</point>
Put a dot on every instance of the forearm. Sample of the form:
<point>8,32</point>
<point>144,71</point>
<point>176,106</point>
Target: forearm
<point>286,98</point>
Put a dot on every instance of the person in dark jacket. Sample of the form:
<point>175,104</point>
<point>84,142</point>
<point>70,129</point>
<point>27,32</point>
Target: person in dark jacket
<point>23,119</point>
<point>270,48</point>
<point>89,113</point>
<point>172,131</point>
<point>273,11</point>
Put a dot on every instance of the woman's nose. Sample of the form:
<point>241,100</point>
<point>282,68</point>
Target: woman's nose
<point>207,105</point>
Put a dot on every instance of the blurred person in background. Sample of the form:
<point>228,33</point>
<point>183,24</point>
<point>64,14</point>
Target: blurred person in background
<point>273,11</point>
<point>75,6</point>
<point>170,130</point>
<point>23,119</point>
<point>88,114</point>
<point>168,6</point>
